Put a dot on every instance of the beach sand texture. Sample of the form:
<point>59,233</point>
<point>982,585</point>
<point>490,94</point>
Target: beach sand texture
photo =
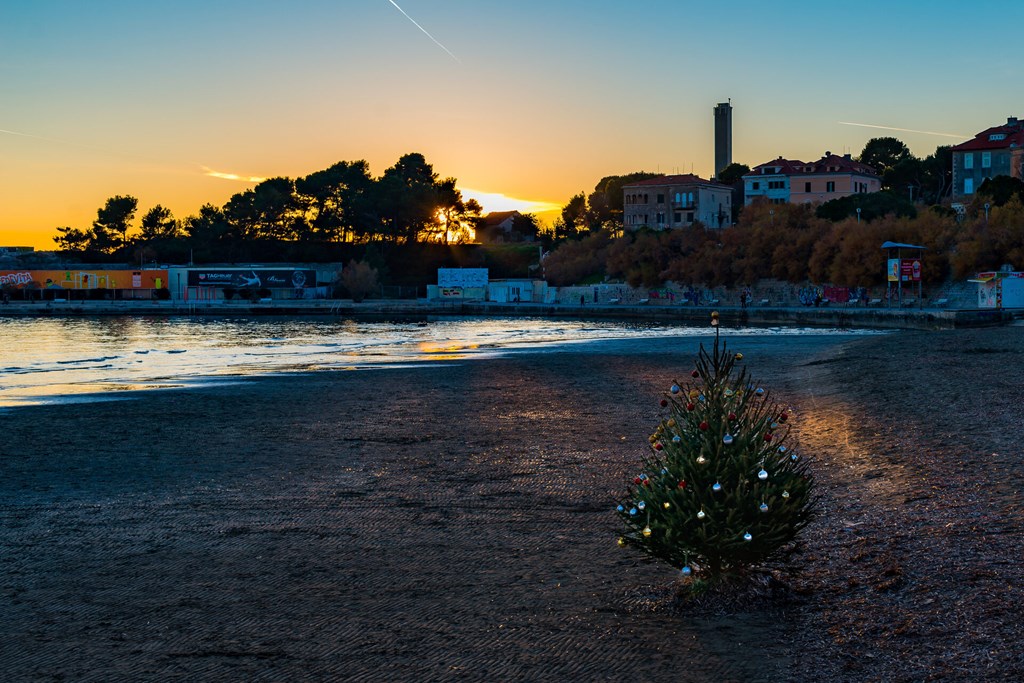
<point>455,522</point>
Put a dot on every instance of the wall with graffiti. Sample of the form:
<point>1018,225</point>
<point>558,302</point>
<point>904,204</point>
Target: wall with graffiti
<point>84,279</point>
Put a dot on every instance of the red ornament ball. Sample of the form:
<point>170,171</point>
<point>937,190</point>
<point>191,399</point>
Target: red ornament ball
<point>695,374</point>
<point>658,446</point>
<point>783,417</point>
<point>637,480</point>
<point>690,406</point>
<point>682,484</point>
<point>767,436</point>
<point>732,416</point>
<point>647,482</point>
<point>664,403</point>
<point>704,426</point>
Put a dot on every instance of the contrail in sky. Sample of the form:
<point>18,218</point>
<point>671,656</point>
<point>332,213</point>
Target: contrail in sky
<point>425,31</point>
<point>906,130</point>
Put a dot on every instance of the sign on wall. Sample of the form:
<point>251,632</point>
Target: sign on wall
<point>255,278</point>
<point>461,277</point>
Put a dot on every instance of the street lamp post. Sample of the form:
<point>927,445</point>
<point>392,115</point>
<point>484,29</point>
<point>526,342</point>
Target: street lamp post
<point>858,215</point>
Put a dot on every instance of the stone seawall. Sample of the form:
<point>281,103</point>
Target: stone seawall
<point>890,318</point>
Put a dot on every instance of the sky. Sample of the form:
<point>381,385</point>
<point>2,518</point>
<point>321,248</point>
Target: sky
<point>526,103</point>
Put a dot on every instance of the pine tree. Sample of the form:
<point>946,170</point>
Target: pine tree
<point>721,490</point>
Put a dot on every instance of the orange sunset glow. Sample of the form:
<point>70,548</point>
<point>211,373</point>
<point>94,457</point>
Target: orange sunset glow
<point>519,102</point>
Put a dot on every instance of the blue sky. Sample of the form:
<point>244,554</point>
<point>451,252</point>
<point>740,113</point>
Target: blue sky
<point>543,99</point>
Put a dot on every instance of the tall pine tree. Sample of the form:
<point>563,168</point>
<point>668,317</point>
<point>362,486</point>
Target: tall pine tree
<point>721,491</point>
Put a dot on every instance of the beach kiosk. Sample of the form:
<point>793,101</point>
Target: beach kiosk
<point>1000,289</point>
<point>903,272</point>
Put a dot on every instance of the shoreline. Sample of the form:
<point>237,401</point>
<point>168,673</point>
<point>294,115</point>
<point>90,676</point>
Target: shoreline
<point>830,316</point>
<point>458,520</point>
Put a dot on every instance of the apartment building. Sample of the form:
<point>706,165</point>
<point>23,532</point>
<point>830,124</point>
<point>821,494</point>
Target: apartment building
<point>676,201</point>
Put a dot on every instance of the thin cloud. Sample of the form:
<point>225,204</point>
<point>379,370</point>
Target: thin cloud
<point>427,33</point>
<point>906,130</point>
<point>231,176</point>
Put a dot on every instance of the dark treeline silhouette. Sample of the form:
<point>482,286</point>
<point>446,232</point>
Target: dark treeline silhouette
<point>319,217</point>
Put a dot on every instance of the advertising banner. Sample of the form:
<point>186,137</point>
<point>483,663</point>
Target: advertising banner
<point>905,270</point>
<point>910,270</point>
<point>254,278</point>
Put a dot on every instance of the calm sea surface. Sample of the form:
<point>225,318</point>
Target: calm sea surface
<point>59,360</point>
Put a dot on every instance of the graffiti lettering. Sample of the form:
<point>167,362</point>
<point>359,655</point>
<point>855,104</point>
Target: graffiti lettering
<point>16,278</point>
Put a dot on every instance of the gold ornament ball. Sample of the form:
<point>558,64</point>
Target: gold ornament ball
<point>622,542</point>
<point>739,356</point>
<point>667,505</point>
<point>647,531</point>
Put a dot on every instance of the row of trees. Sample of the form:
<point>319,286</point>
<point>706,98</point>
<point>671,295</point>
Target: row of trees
<point>791,242</point>
<point>409,203</point>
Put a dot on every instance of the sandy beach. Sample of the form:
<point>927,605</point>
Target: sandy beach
<point>455,523</point>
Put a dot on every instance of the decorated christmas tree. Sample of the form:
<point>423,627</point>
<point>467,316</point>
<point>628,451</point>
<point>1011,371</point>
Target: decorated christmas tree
<point>721,491</point>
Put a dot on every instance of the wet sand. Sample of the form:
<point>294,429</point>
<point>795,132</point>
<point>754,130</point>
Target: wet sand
<point>455,522</point>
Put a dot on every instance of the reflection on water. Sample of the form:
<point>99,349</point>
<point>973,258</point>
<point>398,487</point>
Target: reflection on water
<point>54,359</point>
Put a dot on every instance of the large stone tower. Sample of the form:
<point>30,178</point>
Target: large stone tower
<point>723,136</point>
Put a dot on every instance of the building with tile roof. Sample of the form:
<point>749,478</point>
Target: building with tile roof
<point>676,201</point>
<point>832,176</point>
<point>993,152</point>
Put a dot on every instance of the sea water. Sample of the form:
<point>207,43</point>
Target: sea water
<point>48,360</point>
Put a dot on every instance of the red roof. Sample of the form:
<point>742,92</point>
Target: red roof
<point>785,166</point>
<point>1009,135</point>
<point>685,179</point>
<point>830,163</point>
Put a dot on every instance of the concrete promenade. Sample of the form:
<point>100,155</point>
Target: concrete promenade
<point>828,316</point>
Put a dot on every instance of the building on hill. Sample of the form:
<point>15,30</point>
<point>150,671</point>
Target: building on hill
<point>771,181</point>
<point>676,201</point>
<point>993,152</point>
<point>500,226</point>
<point>792,181</point>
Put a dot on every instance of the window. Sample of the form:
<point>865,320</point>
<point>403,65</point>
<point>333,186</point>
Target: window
<point>968,185</point>
<point>646,200</point>
<point>755,186</point>
<point>678,199</point>
<point>776,184</point>
<point>677,217</point>
<point>995,137</point>
<point>661,199</point>
<point>830,186</point>
<point>968,160</point>
<point>689,199</point>
<point>986,159</point>
<point>661,219</point>
<point>689,217</point>
<point>807,186</point>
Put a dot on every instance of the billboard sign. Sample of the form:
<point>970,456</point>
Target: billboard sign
<point>256,278</point>
<point>904,270</point>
